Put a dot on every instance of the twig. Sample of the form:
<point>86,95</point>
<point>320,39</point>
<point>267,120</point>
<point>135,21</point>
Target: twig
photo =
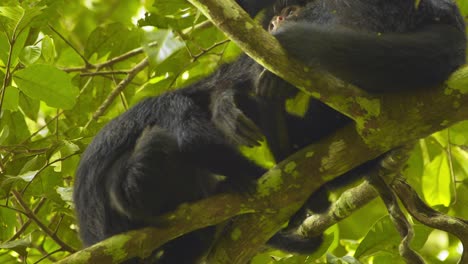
<point>30,214</point>
<point>103,73</point>
<point>110,62</point>
<point>120,87</point>
<point>45,167</point>
<point>430,217</point>
<point>70,45</point>
<point>7,78</point>
<point>25,225</point>
<point>48,256</point>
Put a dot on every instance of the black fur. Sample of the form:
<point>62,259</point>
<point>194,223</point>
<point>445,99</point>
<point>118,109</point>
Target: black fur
<point>159,154</point>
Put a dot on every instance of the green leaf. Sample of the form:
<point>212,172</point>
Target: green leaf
<point>11,99</point>
<point>113,39</point>
<point>19,245</point>
<point>7,222</point>
<point>168,44</point>
<point>171,7</point>
<point>436,181</point>
<point>30,54</point>
<point>66,194</point>
<point>29,106</point>
<point>19,18</point>
<point>17,128</point>
<point>458,135</point>
<point>47,83</point>
<point>48,49</point>
<point>28,176</point>
<point>381,237</point>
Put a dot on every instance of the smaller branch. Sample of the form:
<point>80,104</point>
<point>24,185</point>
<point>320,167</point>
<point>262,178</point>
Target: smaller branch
<point>31,215</point>
<point>70,45</point>
<point>204,51</point>
<point>7,78</point>
<point>25,225</point>
<point>14,209</point>
<point>430,217</point>
<point>110,62</point>
<point>120,87</point>
<point>202,25</point>
<point>398,218</point>
<point>349,202</point>
<point>355,198</point>
<point>103,73</point>
<point>45,167</point>
<point>48,255</point>
<point>123,57</point>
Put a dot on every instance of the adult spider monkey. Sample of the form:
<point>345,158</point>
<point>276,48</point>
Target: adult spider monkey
<point>161,153</point>
<point>381,46</point>
<point>165,150</point>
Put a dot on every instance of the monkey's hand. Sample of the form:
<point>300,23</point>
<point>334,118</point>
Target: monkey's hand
<point>270,86</point>
<point>232,122</point>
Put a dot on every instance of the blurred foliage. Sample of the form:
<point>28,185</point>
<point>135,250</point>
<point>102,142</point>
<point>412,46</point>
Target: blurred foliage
<point>57,66</point>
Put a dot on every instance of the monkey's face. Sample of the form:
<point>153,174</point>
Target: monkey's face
<point>285,14</point>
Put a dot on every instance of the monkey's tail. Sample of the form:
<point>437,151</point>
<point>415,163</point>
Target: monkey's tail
<point>295,243</point>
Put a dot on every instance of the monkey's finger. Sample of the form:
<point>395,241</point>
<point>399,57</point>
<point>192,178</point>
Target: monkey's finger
<point>249,131</point>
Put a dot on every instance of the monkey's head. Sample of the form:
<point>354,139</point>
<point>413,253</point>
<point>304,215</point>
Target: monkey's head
<point>283,15</point>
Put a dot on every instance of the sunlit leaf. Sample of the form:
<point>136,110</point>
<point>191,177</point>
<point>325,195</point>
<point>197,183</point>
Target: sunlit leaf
<point>48,49</point>
<point>19,18</point>
<point>167,44</point>
<point>30,54</point>
<point>436,181</point>
<point>11,99</point>
<point>48,84</point>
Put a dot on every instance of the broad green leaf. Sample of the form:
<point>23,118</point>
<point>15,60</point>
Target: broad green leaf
<point>168,44</point>
<point>17,129</point>
<point>19,18</point>
<point>381,237</point>
<point>436,181</point>
<point>177,15</point>
<point>170,7</point>
<point>7,222</point>
<point>458,133</point>
<point>5,53</point>
<point>29,106</point>
<point>66,194</point>
<point>30,54</point>
<point>11,99</point>
<point>19,245</point>
<point>48,49</point>
<point>28,176</point>
<point>47,83</point>
<point>113,39</point>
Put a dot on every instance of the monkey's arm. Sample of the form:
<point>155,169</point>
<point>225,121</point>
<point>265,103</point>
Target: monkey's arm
<point>378,62</point>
